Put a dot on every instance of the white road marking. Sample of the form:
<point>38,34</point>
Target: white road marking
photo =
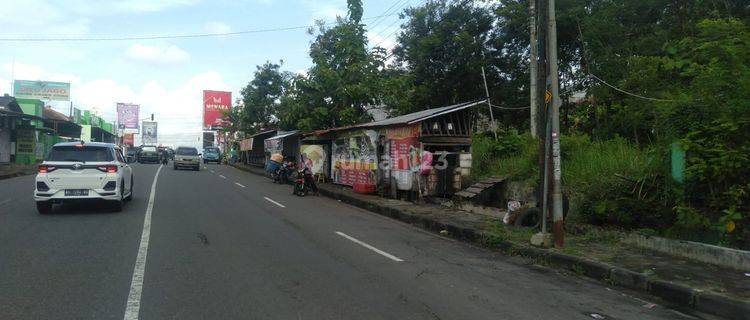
<point>6,201</point>
<point>212,171</point>
<point>237,183</point>
<point>223,177</point>
<point>381,252</point>
<point>136,283</point>
<point>274,202</point>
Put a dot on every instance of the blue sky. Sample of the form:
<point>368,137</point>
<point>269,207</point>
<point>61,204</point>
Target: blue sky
<point>165,76</point>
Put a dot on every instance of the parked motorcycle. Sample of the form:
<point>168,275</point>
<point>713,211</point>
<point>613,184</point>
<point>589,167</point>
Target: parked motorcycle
<point>283,172</point>
<point>304,183</point>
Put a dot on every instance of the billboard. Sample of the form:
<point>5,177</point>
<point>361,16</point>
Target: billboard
<point>149,135</point>
<point>42,90</point>
<point>128,139</point>
<point>215,104</point>
<point>127,116</point>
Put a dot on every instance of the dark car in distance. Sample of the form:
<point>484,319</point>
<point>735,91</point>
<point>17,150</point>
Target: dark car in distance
<point>148,154</point>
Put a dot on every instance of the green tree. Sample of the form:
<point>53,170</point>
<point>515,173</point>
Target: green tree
<point>441,47</point>
<point>262,96</point>
<point>344,79</point>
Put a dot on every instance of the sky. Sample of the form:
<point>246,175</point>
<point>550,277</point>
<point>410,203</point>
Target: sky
<point>166,76</point>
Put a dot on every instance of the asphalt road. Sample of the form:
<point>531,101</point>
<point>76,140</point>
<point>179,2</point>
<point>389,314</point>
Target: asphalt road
<point>225,244</point>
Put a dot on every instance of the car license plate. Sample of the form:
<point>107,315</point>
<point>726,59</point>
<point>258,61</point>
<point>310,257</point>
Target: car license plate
<point>76,192</point>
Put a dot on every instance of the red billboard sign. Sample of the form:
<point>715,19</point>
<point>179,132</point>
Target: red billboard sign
<point>215,104</point>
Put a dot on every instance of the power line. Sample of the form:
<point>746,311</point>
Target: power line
<point>591,75</point>
<point>390,25</point>
<point>626,92</point>
<point>178,36</point>
<point>387,11</point>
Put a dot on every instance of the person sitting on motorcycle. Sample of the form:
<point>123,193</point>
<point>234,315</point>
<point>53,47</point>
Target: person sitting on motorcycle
<point>164,156</point>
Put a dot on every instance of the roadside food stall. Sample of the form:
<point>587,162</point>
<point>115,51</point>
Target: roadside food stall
<point>426,153</point>
<point>255,155</point>
<point>285,143</point>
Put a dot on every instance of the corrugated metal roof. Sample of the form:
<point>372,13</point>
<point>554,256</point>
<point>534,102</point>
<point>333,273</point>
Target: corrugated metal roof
<point>262,133</point>
<point>10,104</point>
<point>420,115</point>
<point>402,120</point>
<point>283,134</point>
<point>54,115</point>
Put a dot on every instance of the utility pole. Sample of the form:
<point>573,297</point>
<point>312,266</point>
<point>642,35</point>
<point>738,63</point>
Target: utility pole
<point>487,96</point>
<point>542,238</point>
<point>533,68</point>
<point>557,212</point>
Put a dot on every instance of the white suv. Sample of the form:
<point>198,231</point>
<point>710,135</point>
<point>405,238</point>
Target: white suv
<point>77,171</point>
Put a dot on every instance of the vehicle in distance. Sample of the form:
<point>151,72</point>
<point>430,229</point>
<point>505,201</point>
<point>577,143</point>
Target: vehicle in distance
<point>77,171</point>
<point>132,155</point>
<point>187,157</point>
<point>211,154</point>
<point>148,154</point>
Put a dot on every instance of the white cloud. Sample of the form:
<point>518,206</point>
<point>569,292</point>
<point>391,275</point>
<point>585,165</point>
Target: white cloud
<point>217,27</point>
<point>176,107</point>
<point>157,55</point>
<point>25,71</point>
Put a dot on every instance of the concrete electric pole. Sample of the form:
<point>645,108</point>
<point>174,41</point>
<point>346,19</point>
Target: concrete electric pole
<point>533,69</point>
<point>557,205</point>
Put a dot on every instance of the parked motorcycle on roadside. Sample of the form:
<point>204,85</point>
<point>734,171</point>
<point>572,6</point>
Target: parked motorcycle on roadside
<point>282,173</point>
<point>304,183</point>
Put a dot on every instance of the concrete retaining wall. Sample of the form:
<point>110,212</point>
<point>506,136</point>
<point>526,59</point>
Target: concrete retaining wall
<point>725,257</point>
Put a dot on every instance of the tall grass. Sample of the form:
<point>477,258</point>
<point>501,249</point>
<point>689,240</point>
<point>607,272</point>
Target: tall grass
<point>604,180</point>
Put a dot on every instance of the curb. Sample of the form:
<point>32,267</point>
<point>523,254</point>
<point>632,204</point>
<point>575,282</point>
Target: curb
<point>14,175</point>
<point>677,294</point>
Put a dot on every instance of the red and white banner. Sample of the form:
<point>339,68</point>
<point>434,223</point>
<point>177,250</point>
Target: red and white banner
<point>215,104</point>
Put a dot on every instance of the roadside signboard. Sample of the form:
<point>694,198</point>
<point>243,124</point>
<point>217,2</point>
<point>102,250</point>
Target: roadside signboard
<point>128,139</point>
<point>149,134</point>
<point>127,116</point>
<point>86,133</point>
<point>42,90</point>
<point>215,104</point>
<point>246,144</point>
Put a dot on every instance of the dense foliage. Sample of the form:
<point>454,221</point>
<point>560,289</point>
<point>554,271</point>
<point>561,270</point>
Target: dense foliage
<point>653,73</point>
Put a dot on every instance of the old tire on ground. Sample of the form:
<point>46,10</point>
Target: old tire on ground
<point>529,218</point>
<point>44,207</point>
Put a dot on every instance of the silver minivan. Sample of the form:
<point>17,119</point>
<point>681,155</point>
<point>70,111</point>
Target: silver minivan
<point>187,157</point>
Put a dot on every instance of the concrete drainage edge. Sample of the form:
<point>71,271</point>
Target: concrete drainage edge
<point>15,175</point>
<point>680,295</point>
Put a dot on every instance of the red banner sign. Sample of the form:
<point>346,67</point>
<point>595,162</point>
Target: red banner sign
<point>215,104</point>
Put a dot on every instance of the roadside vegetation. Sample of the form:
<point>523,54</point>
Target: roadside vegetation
<point>646,75</point>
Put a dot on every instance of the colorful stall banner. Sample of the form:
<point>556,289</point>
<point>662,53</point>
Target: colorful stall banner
<point>246,144</point>
<point>149,134</point>
<point>314,156</point>
<point>404,154</point>
<point>128,116</point>
<point>215,104</point>
<point>42,90</point>
<point>272,146</point>
<point>354,158</point>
